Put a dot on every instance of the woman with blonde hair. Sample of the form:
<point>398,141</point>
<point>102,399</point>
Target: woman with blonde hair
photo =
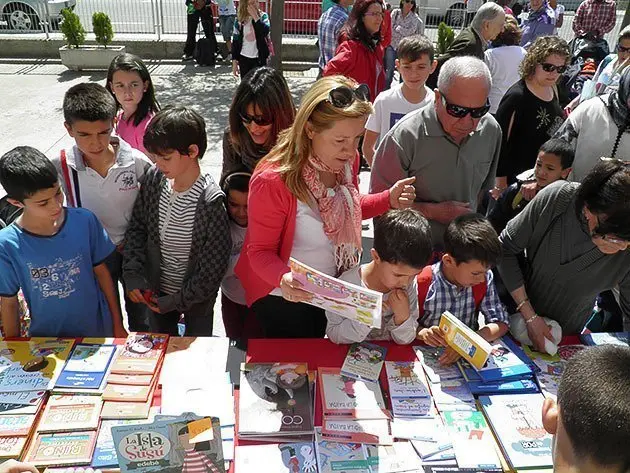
<point>304,203</point>
<point>250,38</point>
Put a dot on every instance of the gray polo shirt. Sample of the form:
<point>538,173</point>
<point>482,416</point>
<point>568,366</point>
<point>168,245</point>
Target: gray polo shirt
<point>418,146</point>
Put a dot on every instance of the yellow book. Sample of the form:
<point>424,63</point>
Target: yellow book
<point>465,341</point>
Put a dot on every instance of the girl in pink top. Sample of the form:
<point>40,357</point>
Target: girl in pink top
<point>304,203</point>
<point>129,81</point>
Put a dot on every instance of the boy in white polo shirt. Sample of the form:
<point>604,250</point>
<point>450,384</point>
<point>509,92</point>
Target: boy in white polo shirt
<point>415,64</point>
<point>102,173</point>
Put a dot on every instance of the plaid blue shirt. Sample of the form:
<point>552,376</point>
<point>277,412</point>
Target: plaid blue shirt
<point>443,296</point>
<point>328,28</point>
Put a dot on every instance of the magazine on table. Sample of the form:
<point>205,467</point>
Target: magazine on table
<point>341,297</point>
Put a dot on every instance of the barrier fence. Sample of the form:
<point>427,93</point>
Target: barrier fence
<point>158,17</point>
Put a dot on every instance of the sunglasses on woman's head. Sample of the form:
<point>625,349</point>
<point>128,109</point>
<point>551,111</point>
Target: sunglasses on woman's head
<point>458,111</point>
<point>547,67</point>
<point>621,49</point>
<point>258,120</point>
<point>344,96</point>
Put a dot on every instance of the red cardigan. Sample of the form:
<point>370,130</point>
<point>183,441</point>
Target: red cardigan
<point>355,60</point>
<point>272,210</point>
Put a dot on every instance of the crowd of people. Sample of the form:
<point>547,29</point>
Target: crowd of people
<point>486,197</point>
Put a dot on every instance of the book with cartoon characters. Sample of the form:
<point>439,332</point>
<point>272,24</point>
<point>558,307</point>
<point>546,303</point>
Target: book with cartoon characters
<point>406,379</point>
<point>274,400</point>
<point>356,303</point>
<point>87,367</point>
<point>141,354</point>
<point>517,423</point>
<point>32,365</point>
<point>503,364</point>
<point>335,457</point>
<point>364,361</point>
<point>350,397</point>
<point>435,371</point>
<point>278,458</point>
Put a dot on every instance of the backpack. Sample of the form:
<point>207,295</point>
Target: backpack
<point>424,280</point>
<point>205,51</point>
<point>8,212</point>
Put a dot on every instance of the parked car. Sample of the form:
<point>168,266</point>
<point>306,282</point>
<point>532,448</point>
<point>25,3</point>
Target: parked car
<point>25,15</point>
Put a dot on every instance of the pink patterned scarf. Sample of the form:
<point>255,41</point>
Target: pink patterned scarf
<point>340,210</point>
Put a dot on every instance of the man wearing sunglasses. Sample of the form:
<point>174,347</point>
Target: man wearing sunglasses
<point>451,147</point>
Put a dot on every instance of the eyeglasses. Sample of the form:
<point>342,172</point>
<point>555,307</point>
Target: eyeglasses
<point>458,111</point>
<point>375,13</point>
<point>258,120</point>
<point>344,96</point>
<point>409,1</point>
<point>621,49</point>
<point>547,67</point>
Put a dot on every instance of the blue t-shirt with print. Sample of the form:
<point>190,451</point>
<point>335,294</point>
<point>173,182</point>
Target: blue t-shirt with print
<point>56,274</point>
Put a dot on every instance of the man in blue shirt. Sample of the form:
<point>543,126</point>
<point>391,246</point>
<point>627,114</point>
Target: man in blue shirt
<point>328,29</point>
<point>55,255</point>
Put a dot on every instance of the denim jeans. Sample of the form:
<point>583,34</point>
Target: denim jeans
<point>390,66</point>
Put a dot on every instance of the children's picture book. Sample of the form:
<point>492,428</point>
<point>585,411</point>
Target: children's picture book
<point>105,453</point>
<point>472,440</point>
<point>606,338</point>
<point>16,425</point>
<point>435,371</point>
<point>126,392</point>
<point>87,366</point>
<point>31,398</point>
<point>335,457</point>
<point>32,365</point>
<point>11,447</point>
<point>59,449</point>
<point>126,410</point>
<point>406,379</point>
<point>517,422</point>
<point>453,395</point>
<point>464,340</point>
<point>434,451</point>
<point>549,384</point>
<point>398,457</point>
<point>545,363</point>
<point>502,364</point>
<point>412,407</point>
<point>141,354</point>
<point>375,431</point>
<point>16,409</point>
<point>276,458</point>
<point>427,429</point>
<point>170,446</point>
<point>70,413</point>
<point>343,298</point>
<point>518,386</point>
<point>349,397</point>
<point>364,361</point>
<point>274,400</point>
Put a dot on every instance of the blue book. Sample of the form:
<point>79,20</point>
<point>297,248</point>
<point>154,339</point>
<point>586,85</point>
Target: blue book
<point>105,453</point>
<point>606,338</point>
<point>520,386</point>
<point>87,367</point>
<point>503,364</point>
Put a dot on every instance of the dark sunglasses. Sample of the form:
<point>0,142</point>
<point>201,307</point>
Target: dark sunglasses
<point>343,96</point>
<point>258,120</point>
<point>458,111</point>
<point>552,67</point>
<point>621,49</point>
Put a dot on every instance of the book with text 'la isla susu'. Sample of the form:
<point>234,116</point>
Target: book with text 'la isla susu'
<point>86,369</point>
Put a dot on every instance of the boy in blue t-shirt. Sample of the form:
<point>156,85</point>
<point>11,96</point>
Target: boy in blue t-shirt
<point>55,255</point>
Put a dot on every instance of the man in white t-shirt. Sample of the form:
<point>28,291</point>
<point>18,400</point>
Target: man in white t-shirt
<point>415,63</point>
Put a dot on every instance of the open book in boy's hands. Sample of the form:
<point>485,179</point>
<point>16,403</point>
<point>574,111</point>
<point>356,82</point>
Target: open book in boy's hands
<point>465,341</point>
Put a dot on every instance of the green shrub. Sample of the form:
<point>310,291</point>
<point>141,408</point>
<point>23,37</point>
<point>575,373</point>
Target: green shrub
<point>102,26</point>
<point>72,29</point>
<point>445,38</point>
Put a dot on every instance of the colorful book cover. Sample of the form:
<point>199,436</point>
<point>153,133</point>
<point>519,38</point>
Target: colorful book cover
<point>465,341</point>
<point>67,412</point>
<point>16,409</point>
<point>174,445</point>
<point>364,361</point>
<point>545,363</point>
<point>31,398</point>
<point>412,407</point>
<point>62,449</point>
<point>32,365</point>
<point>454,392</point>
<point>335,457</point>
<point>87,366</point>
<point>435,371</point>
<point>343,298</point>
<point>344,396</point>
<point>374,431</point>
<point>141,354</point>
<point>472,440</point>
<point>11,447</point>
<point>606,338</point>
<point>16,425</point>
<point>517,423</point>
<point>104,451</point>
<point>394,458</point>
<point>519,386</point>
<point>502,364</point>
<point>277,458</point>
<point>406,379</point>
<point>274,399</point>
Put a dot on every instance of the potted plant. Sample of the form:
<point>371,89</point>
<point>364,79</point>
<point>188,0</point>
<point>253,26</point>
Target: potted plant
<point>76,56</point>
<point>445,38</point>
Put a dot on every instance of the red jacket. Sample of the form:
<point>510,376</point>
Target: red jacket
<point>268,242</point>
<point>355,60</point>
<point>386,29</point>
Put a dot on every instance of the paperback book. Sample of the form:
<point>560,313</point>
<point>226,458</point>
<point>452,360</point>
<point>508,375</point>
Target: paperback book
<point>335,457</point>
<point>16,425</point>
<point>428,429</point>
<point>126,392</point>
<point>398,457</point>
<point>406,379</point>
<point>141,354</point>
<point>30,398</point>
<point>87,367</point>
<point>606,338</point>
<point>453,395</point>
<point>341,297</point>
<point>412,407</point>
<point>435,371</point>
<point>60,449</point>
<point>502,364</point>
<point>349,397</point>
<point>364,361</point>
<point>11,447</point>
<point>375,431</point>
<point>276,458</point>
<point>70,413</point>
<point>465,341</point>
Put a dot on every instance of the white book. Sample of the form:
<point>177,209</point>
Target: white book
<point>406,379</point>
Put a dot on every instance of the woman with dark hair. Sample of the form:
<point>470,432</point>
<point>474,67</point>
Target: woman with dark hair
<point>575,243</point>
<point>261,108</point>
<point>405,23</point>
<point>530,113</point>
<point>360,52</point>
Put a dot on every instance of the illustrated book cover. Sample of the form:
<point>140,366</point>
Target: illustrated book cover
<point>87,366</point>
<point>349,397</point>
<point>141,354</point>
<point>364,361</point>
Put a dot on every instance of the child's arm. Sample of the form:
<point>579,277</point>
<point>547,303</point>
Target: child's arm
<point>107,286</point>
<point>342,330</point>
<point>494,330</point>
<point>10,316</point>
<point>494,312</point>
<point>369,141</point>
<point>404,324</point>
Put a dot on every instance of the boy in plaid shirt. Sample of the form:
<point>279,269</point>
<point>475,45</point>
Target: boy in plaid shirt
<point>462,283</point>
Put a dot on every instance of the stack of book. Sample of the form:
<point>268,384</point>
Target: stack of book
<point>86,370</point>
<point>606,338</point>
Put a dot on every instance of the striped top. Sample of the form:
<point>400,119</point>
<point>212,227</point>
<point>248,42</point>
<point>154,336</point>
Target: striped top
<point>177,217</point>
<point>197,462</point>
